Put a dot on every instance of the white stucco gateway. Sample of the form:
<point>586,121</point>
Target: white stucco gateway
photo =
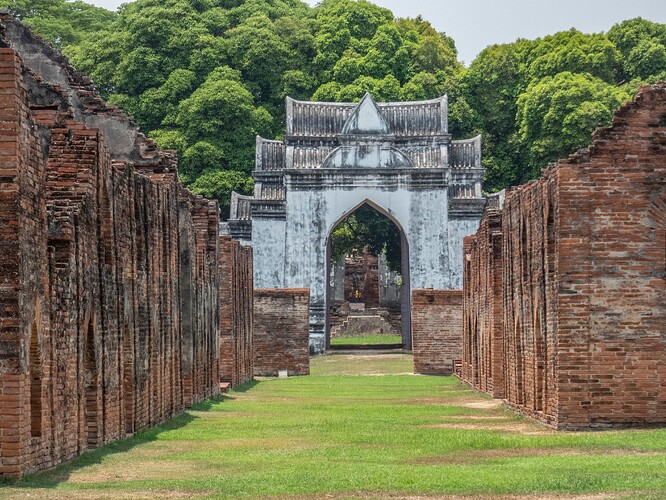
<point>397,157</point>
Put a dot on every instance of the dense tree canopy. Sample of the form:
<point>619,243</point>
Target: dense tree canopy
<point>539,100</point>
<point>61,23</point>
<point>205,76</point>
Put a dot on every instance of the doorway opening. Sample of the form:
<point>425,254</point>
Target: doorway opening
<point>368,299</point>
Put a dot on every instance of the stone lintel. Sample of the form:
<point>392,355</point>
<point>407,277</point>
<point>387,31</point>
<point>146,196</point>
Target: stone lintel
<point>240,229</point>
<point>398,141</point>
<point>466,208</point>
<point>387,179</point>
<point>268,177</point>
<point>268,209</point>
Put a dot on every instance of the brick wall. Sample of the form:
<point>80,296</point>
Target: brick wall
<point>584,281</point>
<point>109,276</point>
<point>282,331</point>
<point>236,313</point>
<point>483,307</point>
<point>436,330</point>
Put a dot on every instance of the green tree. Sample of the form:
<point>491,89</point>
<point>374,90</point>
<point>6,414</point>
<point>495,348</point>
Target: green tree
<point>646,60</point>
<point>207,114</point>
<point>218,184</point>
<point>575,52</point>
<point>59,22</point>
<point>204,76</point>
<point>556,115</point>
<point>491,86</point>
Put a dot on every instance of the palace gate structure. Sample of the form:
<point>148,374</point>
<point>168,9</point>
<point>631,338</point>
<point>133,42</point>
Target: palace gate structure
<point>397,157</point>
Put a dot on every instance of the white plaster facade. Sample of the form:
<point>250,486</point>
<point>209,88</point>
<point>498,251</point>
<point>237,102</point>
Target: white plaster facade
<point>397,157</point>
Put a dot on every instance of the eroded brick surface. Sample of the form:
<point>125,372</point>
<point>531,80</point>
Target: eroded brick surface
<point>109,269</point>
<point>282,331</point>
<point>583,285</point>
<point>483,357</point>
<point>236,312</point>
<point>436,330</point>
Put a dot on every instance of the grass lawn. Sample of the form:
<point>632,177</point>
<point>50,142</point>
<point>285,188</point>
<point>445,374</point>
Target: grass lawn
<point>368,339</point>
<point>351,436</point>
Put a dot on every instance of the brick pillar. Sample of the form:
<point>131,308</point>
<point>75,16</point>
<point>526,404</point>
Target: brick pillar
<point>436,330</point>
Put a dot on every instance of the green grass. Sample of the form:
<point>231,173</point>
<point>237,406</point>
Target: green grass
<point>362,363</point>
<point>349,436</point>
<point>368,339</point>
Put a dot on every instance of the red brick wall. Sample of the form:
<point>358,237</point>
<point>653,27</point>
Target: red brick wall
<point>529,290</point>
<point>282,331</point>
<point>23,275</point>
<point>436,330</point>
<point>584,280</point>
<point>236,313</point>
<point>109,277</point>
<point>612,295</point>
<point>483,307</point>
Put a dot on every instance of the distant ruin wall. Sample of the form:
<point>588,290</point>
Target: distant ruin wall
<point>281,331</point>
<point>483,356</point>
<point>583,286</point>
<point>236,313</point>
<point>436,330</point>
<point>108,269</point>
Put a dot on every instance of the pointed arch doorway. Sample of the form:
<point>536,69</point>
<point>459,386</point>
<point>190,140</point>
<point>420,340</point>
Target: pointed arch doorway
<point>377,292</point>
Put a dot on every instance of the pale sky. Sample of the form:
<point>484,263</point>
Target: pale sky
<point>475,24</point>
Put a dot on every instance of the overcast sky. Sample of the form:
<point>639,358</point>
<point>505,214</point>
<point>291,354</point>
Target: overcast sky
<point>475,24</point>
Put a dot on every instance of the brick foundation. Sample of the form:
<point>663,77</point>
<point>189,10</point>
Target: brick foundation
<point>109,277</point>
<point>436,330</point>
<point>282,331</point>
<point>582,282</point>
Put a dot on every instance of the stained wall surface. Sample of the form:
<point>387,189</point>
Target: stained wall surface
<point>109,273</point>
<point>583,282</point>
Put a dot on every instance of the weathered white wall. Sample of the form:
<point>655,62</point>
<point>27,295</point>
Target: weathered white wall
<point>395,158</point>
<point>312,215</point>
<point>269,260</point>
<point>458,229</point>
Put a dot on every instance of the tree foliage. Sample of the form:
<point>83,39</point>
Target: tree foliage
<point>555,115</point>
<point>536,101</point>
<point>205,76</point>
<point>59,22</point>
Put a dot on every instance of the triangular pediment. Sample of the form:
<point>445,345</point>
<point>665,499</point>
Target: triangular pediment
<point>366,119</point>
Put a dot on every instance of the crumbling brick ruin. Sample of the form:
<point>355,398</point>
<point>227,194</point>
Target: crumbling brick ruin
<point>436,330</point>
<point>109,276</point>
<point>281,331</point>
<point>565,282</point>
<point>236,312</point>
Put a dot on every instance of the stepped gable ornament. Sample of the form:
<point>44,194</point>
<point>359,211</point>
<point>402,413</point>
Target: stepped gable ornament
<point>366,119</point>
<point>366,141</point>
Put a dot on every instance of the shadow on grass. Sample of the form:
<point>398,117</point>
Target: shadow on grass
<point>247,386</point>
<point>210,404</point>
<point>52,477</point>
